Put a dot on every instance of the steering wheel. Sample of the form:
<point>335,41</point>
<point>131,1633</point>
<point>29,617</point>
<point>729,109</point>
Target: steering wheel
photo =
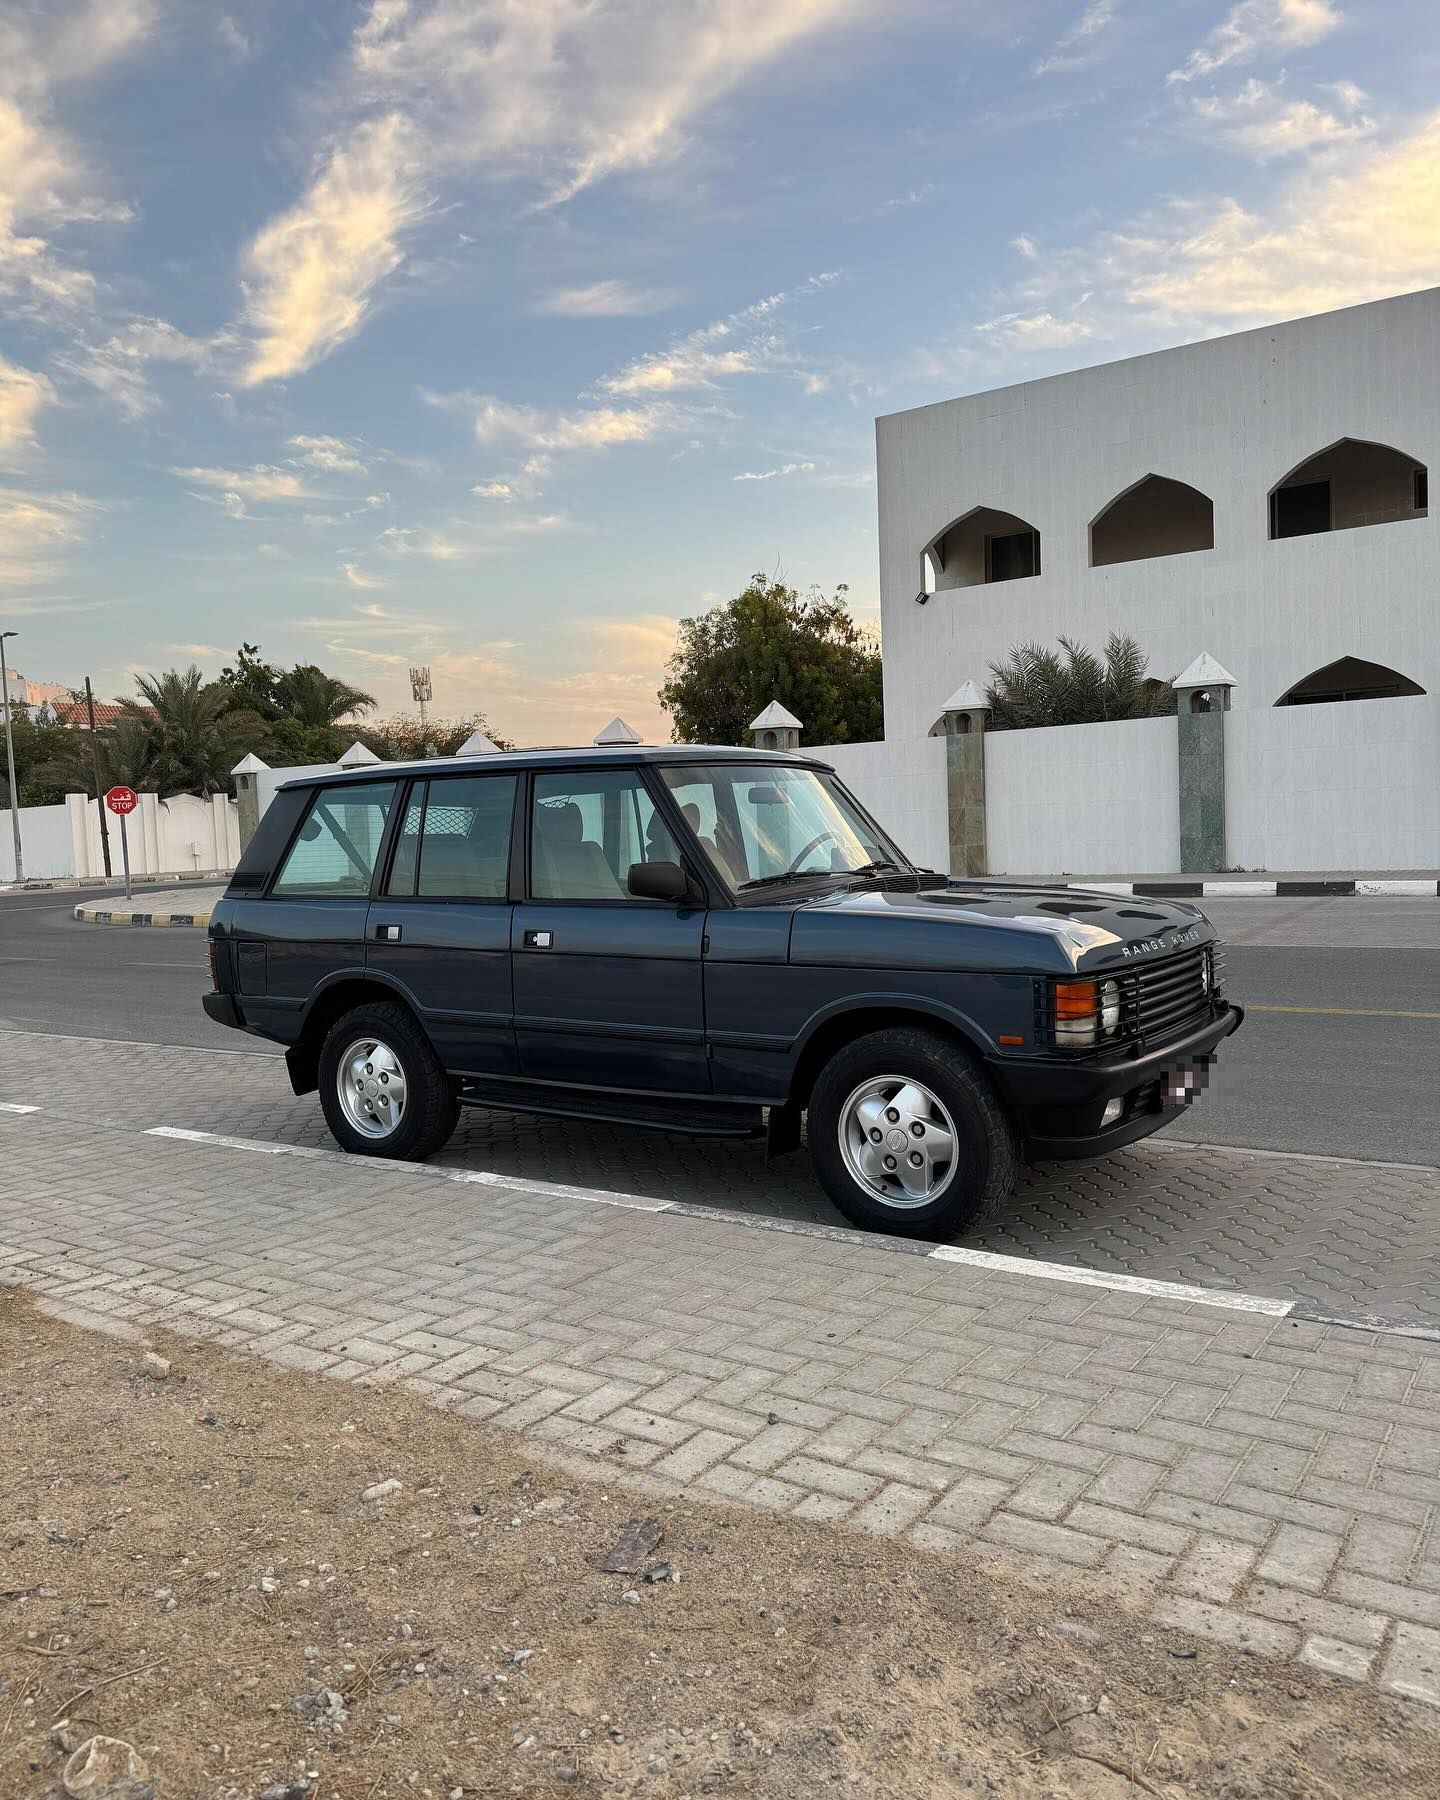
<point>814,844</point>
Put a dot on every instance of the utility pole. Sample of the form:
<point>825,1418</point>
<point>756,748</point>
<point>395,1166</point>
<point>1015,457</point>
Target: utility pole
<point>421,689</point>
<point>10,757</point>
<point>95,765</point>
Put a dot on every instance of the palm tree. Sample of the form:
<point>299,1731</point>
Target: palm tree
<point>180,735</point>
<point>1036,686</point>
<point>314,699</point>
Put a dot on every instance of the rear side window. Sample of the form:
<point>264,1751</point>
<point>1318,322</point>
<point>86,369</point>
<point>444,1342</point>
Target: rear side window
<point>334,855</point>
<point>454,841</point>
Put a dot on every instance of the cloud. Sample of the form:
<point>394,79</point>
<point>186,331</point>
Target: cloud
<point>1033,331</point>
<point>337,456</point>
<point>117,368</point>
<point>790,468</point>
<point>260,483</point>
<point>44,181</point>
<point>1256,26</point>
<point>554,94</point>
<point>493,490</point>
<point>606,300</point>
<point>311,272</point>
<point>202,652</point>
<point>1258,120</point>
<point>1328,236</point>
<point>466,538</point>
<point>1077,48</point>
<point>358,578</point>
<point>745,343</point>
<point>34,527</point>
<point>537,428</point>
<point>23,395</point>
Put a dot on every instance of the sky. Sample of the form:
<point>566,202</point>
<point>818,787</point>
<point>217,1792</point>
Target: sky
<point>499,335</point>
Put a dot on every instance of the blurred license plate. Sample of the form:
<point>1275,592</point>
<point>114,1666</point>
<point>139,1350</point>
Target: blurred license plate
<point>1182,1086</point>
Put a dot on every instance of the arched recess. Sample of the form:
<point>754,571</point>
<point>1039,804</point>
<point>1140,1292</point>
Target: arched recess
<point>1348,678</point>
<point>1350,483</point>
<point>1155,516</point>
<point>982,545</point>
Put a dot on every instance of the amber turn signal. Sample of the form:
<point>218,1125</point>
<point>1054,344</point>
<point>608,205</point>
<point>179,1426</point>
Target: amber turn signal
<point>1075,1000</point>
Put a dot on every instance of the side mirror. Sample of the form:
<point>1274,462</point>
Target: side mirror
<point>659,881</point>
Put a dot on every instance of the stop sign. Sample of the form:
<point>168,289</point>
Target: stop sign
<point>122,800</point>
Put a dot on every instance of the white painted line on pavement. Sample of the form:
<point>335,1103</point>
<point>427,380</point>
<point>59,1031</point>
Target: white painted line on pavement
<point>473,1177</point>
<point>76,1037</point>
<point>1125,1284</point>
<point>9,1107</point>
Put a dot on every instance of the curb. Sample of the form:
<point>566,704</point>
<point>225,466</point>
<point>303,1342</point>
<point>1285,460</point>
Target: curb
<point>1254,890</point>
<point>99,915</point>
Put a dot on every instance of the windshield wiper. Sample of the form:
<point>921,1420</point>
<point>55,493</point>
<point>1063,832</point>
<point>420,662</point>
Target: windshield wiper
<point>789,875</point>
<point>881,866</point>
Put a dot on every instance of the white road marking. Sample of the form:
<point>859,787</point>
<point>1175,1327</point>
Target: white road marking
<point>473,1177</point>
<point>9,1107</point>
<point>1125,1284</point>
<point>76,1037</point>
<point>1008,1265</point>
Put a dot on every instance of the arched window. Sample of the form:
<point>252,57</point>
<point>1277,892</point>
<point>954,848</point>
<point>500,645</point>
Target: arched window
<point>1156,517</point>
<point>1353,482</point>
<point>1349,679</point>
<point>982,545</point>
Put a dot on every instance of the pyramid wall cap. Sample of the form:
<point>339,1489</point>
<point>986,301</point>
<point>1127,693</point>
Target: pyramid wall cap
<point>358,757</point>
<point>477,744</point>
<point>966,698</point>
<point>249,765</point>
<point>776,718</point>
<point>618,732</point>
<point>1204,672</point>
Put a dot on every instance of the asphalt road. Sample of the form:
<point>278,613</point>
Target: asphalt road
<point>1340,1052</point>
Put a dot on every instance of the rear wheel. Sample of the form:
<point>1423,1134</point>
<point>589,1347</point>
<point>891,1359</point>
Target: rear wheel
<point>907,1136</point>
<point>382,1087</point>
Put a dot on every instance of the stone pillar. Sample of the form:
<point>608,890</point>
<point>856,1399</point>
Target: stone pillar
<point>776,729</point>
<point>964,725</point>
<point>1203,692</point>
<point>246,776</point>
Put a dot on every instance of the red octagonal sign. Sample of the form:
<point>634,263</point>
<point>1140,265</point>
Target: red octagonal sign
<point>122,800</point>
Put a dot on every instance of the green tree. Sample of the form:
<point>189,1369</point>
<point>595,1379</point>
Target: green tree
<point>1073,686</point>
<point>182,736</point>
<point>251,684</point>
<point>50,762</point>
<point>771,643</point>
<point>314,699</point>
<point>400,739</point>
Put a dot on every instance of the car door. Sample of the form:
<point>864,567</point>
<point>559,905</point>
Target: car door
<point>310,926</point>
<point>440,929</point>
<point>608,988</point>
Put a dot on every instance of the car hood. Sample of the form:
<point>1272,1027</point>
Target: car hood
<point>996,927</point>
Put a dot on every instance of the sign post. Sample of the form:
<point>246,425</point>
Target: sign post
<point>122,801</point>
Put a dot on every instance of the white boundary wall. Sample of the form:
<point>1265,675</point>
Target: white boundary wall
<point>902,782</point>
<point>183,835</point>
<point>1350,785</point>
<point>1083,799</point>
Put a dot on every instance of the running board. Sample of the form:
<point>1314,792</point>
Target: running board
<point>692,1116</point>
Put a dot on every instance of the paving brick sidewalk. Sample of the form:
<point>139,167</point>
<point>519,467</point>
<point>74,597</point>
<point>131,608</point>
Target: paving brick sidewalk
<point>1265,1482</point>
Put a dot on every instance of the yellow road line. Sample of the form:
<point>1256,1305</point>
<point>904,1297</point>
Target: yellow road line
<point>1343,1012</point>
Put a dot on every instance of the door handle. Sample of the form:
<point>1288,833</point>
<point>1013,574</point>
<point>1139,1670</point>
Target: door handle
<point>388,934</point>
<point>538,940</point>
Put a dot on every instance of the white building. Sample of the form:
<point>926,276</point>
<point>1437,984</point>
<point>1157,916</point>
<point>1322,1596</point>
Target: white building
<point>1262,498</point>
<point>1155,496</point>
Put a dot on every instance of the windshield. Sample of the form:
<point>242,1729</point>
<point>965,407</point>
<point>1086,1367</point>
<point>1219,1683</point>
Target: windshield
<point>762,823</point>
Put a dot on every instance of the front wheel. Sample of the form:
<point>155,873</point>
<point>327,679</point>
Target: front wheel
<point>907,1136</point>
<point>382,1087</point>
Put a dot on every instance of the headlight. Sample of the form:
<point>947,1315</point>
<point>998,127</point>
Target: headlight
<point>1085,1012</point>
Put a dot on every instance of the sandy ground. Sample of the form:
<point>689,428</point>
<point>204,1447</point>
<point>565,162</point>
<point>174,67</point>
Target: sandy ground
<point>182,1560</point>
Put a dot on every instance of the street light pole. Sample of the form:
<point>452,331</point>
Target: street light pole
<point>10,757</point>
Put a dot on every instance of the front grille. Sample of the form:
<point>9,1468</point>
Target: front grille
<point>1163,999</point>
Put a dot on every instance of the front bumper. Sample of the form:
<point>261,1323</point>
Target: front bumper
<point>1059,1102</point>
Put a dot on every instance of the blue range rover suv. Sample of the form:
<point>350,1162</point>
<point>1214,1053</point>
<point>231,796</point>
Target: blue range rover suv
<point>711,941</point>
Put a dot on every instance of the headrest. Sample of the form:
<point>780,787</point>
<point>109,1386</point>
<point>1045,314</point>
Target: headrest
<point>561,824</point>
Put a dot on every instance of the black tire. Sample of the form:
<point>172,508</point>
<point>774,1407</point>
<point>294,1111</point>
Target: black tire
<point>982,1174</point>
<point>431,1108</point>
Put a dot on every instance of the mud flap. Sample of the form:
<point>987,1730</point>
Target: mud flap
<point>782,1131</point>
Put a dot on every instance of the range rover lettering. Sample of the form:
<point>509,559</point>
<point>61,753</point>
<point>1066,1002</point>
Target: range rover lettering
<point>711,941</point>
